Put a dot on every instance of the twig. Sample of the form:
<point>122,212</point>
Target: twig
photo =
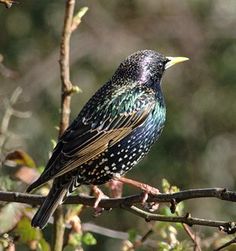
<point>228,227</point>
<point>32,199</point>
<point>193,236</point>
<point>9,112</point>
<point>70,24</point>
<point>195,239</point>
<point>66,88</point>
<point>128,202</point>
<point>226,244</point>
<point>91,227</point>
<point>142,240</point>
<point>105,231</point>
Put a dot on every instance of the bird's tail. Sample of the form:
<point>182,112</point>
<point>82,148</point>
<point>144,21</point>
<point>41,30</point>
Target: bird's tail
<point>53,199</point>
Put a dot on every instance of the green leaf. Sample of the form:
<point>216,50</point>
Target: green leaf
<point>163,246</point>
<point>132,235</point>
<point>43,245</point>
<point>54,143</point>
<point>41,169</point>
<point>165,185</point>
<point>89,239</point>
<point>75,239</point>
<point>26,232</point>
<point>69,248</point>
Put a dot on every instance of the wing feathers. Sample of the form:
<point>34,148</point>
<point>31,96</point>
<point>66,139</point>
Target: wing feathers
<point>92,133</point>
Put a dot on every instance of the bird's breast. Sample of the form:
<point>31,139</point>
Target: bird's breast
<point>121,157</point>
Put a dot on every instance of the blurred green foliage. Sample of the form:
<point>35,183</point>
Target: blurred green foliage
<point>197,147</point>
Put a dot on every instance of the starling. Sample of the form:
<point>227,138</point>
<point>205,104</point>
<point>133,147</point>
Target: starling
<point>111,134</point>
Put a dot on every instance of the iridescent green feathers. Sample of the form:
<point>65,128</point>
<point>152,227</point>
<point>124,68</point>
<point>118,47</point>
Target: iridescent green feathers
<point>107,121</point>
<point>112,133</point>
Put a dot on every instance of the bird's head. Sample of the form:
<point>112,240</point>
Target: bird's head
<point>146,65</point>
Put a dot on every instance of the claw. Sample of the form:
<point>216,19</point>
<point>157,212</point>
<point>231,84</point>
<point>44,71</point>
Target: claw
<point>147,190</point>
<point>144,198</point>
<point>99,196</point>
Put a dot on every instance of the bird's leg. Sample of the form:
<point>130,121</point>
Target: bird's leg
<point>116,188</point>
<point>99,195</point>
<point>145,187</point>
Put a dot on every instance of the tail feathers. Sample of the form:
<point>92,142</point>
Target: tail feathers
<point>54,198</point>
<point>34,185</point>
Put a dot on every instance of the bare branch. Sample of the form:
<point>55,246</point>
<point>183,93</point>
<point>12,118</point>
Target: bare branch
<point>218,193</point>
<point>128,202</point>
<point>228,227</point>
<point>66,87</point>
<point>193,236</point>
<point>9,112</point>
<point>227,244</point>
<point>66,91</point>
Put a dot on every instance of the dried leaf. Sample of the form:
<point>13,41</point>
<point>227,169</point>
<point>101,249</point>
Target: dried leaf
<point>26,174</point>
<point>20,158</point>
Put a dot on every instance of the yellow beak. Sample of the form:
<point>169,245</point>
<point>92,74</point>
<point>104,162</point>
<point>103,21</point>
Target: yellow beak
<point>174,60</point>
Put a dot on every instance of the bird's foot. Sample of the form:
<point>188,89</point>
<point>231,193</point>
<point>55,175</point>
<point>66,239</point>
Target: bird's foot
<point>147,190</point>
<point>99,195</point>
<point>145,187</point>
<point>150,206</point>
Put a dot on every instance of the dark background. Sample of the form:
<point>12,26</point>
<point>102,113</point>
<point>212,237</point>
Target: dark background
<point>197,147</point>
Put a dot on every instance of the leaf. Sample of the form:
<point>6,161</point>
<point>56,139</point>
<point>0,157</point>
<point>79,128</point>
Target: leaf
<point>43,245</point>
<point>132,235</point>
<point>26,174</point>
<point>75,239</point>
<point>6,183</point>
<point>26,232</point>
<point>69,248</point>
<point>89,239</point>
<point>12,211</point>
<point>165,185</point>
<point>20,158</point>
<point>54,143</point>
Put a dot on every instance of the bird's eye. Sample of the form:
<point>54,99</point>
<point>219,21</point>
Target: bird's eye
<point>160,66</point>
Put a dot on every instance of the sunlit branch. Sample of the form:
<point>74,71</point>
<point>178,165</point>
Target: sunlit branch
<point>128,203</point>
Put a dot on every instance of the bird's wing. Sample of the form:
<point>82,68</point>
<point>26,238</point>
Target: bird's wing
<point>100,125</point>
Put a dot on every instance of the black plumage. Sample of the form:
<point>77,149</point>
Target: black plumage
<point>112,133</point>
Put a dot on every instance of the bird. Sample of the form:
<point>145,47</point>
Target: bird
<point>112,133</point>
